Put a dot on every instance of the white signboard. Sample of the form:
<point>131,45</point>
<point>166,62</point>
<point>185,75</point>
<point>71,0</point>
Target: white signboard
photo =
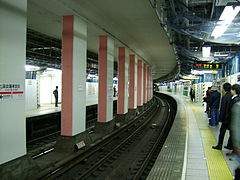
<point>11,91</point>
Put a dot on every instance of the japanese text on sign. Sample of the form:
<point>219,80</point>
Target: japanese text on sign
<point>10,91</point>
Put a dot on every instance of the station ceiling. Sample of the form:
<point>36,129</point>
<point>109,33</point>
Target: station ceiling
<point>131,23</point>
<point>167,34</point>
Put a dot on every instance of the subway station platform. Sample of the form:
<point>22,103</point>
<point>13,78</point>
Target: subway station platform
<point>187,152</point>
<point>50,108</point>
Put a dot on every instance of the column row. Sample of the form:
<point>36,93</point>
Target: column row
<point>74,52</point>
<point>74,78</point>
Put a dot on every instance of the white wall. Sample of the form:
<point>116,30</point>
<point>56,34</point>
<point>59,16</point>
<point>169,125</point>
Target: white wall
<point>48,82</point>
<point>45,89</point>
<point>233,79</point>
<point>12,61</point>
<point>162,88</point>
<point>30,94</point>
<point>92,92</point>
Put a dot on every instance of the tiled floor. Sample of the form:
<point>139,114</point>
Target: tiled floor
<point>220,171</point>
<point>50,108</point>
<point>196,160</point>
<point>42,110</point>
<point>232,166</point>
<point>201,161</point>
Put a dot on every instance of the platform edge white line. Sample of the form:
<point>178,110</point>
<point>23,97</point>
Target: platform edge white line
<point>186,152</point>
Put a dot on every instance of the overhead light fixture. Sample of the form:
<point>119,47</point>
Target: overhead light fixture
<point>206,51</point>
<point>221,54</point>
<point>201,72</point>
<point>227,16</point>
<point>190,77</point>
<point>184,80</point>
<point>52,71</point>
<point>92,76</point>
<point>31,68</point>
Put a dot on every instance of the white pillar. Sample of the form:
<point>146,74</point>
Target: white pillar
<point>123,64</point>
<point>148,83</point>
<point>132,82</point>
<point>74,53</point>
<point>139,83</point>
<point>151,84</point>
<point>142,90</point>
<point>13,18</point>
<point>105,86</point>
<point>144,83</point>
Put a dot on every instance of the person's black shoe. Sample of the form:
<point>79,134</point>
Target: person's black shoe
<point>217,147</point>
<point>237,174</point>
<point>228,147</point>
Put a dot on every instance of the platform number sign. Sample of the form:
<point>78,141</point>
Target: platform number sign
<point>11,91</point>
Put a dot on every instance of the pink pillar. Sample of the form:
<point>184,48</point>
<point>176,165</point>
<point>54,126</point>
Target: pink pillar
<point>144,84</point>
<point>148,84</point>
<point>139,83</point>
<point>151,83</point>
<point>105,85</point>
<point>122,82</point>
<point>132,104</point>
<point>74,50</point>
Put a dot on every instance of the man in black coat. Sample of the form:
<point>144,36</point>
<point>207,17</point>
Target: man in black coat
<point>192,94</point>
<point>235,126</point>
<point>225,117</point>
<point>55,92</point>
<point>214,105</point>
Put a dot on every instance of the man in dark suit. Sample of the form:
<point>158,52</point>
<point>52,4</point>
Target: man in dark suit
<point>225,117</point>
<point>192,94</point>
<point>55,92</point>
<point>235,127</point>
<point>214,106</point>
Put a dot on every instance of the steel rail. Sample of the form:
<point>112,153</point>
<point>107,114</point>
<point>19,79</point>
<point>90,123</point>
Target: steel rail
<point>64,165</point>
<point>148,157</point>
<point>118,147</point>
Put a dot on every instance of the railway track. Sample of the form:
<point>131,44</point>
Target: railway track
<point>42,131</point>
<point>127,154</point>
<point>42,145</point>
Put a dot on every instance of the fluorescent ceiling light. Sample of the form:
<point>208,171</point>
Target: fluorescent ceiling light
<point>189,77</point>
<point>201,72</point>
<point>228,14</point>
<point>92,76</point>
<point>220,54</point>
<point>52,71</point>
<point>31,68</point>
<point>184,80</point>
<point>206,51</point>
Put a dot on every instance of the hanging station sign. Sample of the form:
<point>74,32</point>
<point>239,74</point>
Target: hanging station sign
<point>207,66</point>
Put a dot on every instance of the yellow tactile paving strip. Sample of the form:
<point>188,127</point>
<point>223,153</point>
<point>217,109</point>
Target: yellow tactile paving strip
<point>38,110</point>
<point>217,166</point>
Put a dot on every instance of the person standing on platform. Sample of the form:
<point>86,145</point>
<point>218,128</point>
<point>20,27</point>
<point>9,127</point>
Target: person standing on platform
<point>55,92</point>
<point>192,94</point>
<point>206,99</point>
<point>114,91</point>
<point>225,117</point>
<point>235,127</point>
<point>214,106</point>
